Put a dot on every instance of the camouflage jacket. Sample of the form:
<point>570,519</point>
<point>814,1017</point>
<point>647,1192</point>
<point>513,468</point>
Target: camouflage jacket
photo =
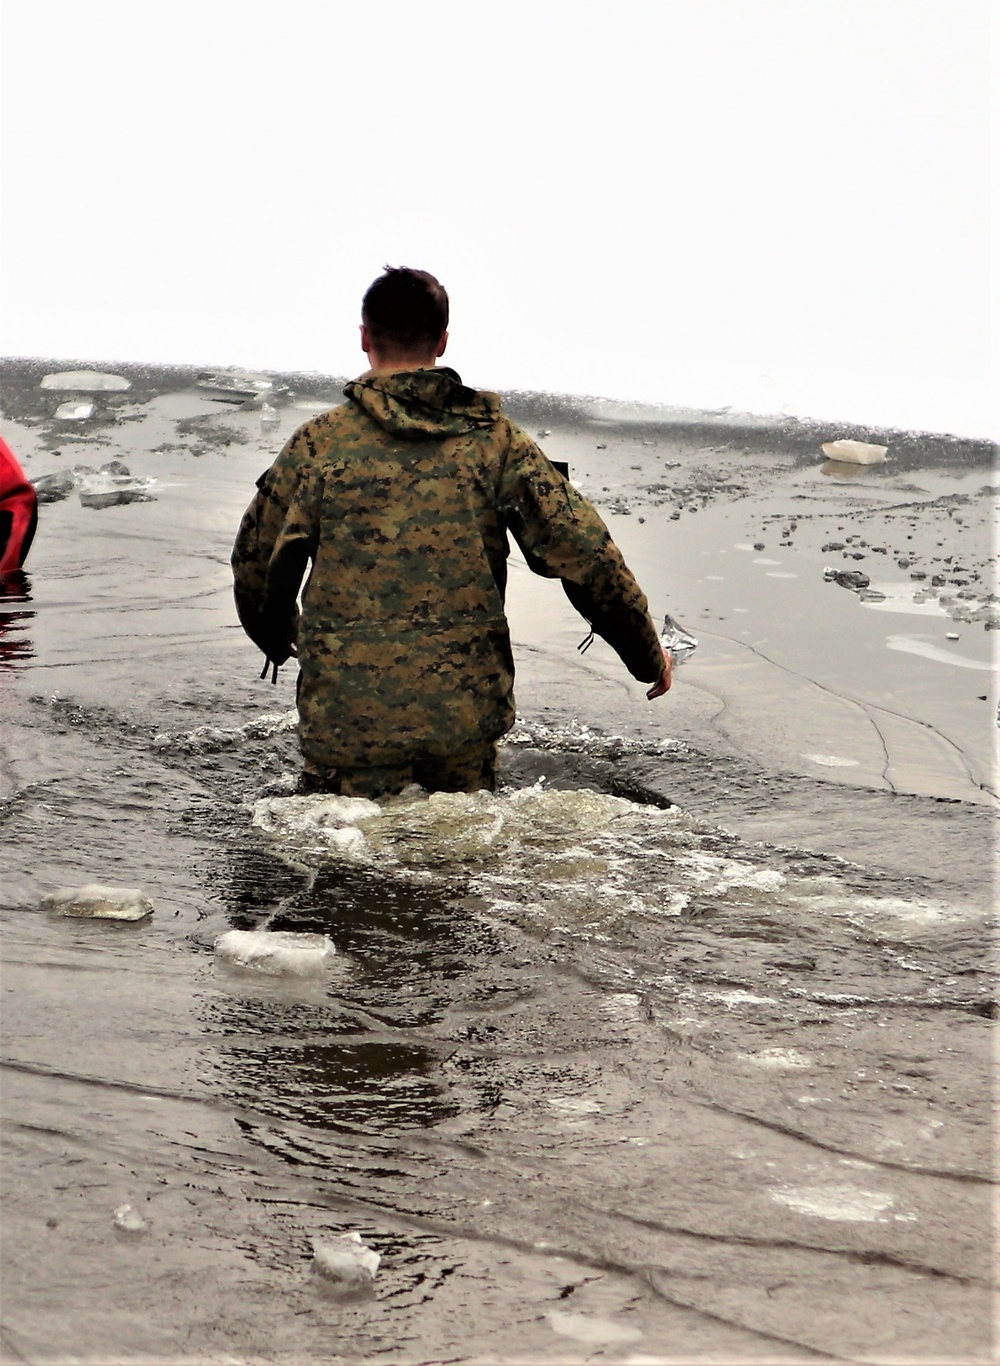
<point>402,499</point>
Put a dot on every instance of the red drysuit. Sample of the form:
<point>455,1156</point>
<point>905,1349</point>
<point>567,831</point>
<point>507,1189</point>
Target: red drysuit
<point>18,511</point>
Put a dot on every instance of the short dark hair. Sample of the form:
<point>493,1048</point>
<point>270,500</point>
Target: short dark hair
<point>405,310</point>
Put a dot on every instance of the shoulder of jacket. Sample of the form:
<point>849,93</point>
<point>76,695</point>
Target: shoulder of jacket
<point>311,442</point>
<point>516,436</point>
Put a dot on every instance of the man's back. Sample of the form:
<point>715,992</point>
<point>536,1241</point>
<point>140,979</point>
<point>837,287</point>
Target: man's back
<point>401,500</point>
<point>408,485</point>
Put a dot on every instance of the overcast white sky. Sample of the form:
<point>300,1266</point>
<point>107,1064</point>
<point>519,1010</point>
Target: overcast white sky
<point>764,203</point>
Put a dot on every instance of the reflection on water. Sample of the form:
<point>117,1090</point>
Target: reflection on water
<point>15,642</point>
<point>332,1057</point>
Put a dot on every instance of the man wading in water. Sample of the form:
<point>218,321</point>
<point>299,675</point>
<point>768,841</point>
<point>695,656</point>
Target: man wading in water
<point>402,499</point>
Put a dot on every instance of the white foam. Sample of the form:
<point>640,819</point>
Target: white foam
<point>738,997</point>
<point>574,1105</point>
<point>590,1328</point>
<point>575,738</point>
<point>845,1204</point>
<point>917,911</point>
<point>278,953</point>
<point>206,739</point>
<point>779,1059</point>
<point>574,859</point>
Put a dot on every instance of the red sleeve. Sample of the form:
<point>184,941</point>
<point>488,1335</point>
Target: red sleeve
<point>18,511</point>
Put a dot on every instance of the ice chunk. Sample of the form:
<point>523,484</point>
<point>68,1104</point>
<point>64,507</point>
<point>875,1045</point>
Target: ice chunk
<point>95,902</point>
<point>85,381</point>
<point>52,488</point>
<point>269,415</point>
<point>279,953</point>
<point>854,452</point>
<point>345,1260</point>
<point>105,490</point>
<point>74,411</point>
<point>235,385</point>
<point>847,578</point>
<point>129,1220</point>
<point>681,644</point>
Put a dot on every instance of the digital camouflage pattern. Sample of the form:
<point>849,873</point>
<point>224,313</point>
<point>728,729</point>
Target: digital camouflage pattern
<point>402,499</point>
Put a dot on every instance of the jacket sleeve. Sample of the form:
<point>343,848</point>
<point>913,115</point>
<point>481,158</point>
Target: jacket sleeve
<point>276,539</point>
<point>561,535</point>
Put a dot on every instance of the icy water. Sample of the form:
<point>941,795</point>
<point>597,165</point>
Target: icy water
<point>677,1048</point>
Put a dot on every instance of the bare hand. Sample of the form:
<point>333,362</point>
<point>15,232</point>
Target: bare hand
<point>662,684</point>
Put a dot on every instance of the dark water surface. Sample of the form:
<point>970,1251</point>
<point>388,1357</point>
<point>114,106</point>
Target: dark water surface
<point>676,1049</point>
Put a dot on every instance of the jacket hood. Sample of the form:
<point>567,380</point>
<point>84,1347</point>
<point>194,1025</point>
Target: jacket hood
<point>417,404</point>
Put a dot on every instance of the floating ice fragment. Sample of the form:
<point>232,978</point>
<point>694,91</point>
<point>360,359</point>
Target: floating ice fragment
<point>831,760</point>
<point>236,385</point>
<point>85,381</point>
<point>345,1261</point>
<point>75,412</point>
<point>854,452</point>
<point>105,489</point>
<point>847,578</point>
<point>95,902</point>
<point>269,415</point>
<point>52,488</point>
<point>673,637</point>
<point>278,953</point>
<point>591,1329</point>
<point>129,1220</point>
